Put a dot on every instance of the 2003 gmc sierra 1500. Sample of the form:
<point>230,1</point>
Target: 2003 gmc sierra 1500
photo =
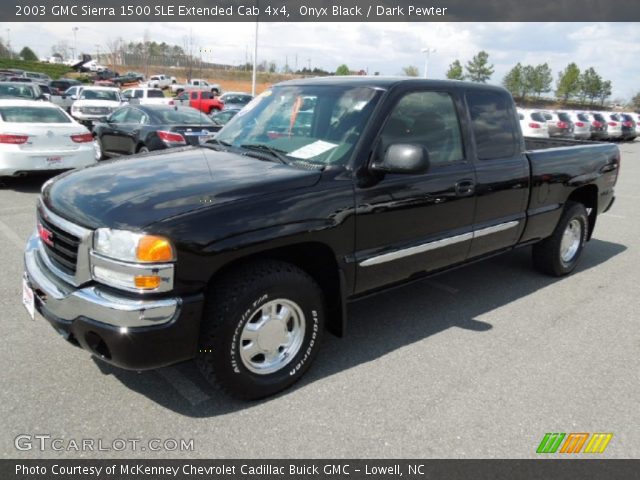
<point>241,252</point>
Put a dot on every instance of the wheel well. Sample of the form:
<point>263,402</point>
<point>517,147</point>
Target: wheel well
<point>316,259</point>
<point>588,196</point>
<point>139,146</point>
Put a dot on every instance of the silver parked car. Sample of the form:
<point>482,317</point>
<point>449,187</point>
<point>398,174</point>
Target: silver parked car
<point>581,124</point>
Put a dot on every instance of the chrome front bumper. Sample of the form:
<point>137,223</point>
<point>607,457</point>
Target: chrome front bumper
<point>65,302</point>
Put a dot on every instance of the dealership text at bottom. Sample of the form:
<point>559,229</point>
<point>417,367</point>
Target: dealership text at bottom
<point>187,469</point>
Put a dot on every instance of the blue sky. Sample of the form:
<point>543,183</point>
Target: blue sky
<point>613,49</point>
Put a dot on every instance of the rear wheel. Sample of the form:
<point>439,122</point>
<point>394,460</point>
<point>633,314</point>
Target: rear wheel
<point>261,329</point>
<point>558,255</point>
<point>143,149</point>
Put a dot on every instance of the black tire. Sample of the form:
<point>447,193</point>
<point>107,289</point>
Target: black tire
<point>232,302</point>
<point>143,149</point>
<point>548,254</point>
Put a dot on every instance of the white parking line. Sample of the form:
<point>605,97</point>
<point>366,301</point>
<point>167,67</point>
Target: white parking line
<point>442,286</point>
<point>183,385</point>
<point>615,216</point>
<point>12,236</point>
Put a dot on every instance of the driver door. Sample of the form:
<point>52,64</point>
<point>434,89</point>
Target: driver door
<point>410,224</point>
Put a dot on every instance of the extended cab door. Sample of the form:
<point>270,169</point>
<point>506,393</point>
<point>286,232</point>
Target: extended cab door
<point>407,224</point>
<point>502,171</point>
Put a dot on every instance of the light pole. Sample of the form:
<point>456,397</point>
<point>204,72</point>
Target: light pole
<point>9,42</point>
<point>427,52</point>
<point>255,62</point>
<point>75,42</point>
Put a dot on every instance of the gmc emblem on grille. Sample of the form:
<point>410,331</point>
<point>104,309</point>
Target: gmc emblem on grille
<point>45,235</point>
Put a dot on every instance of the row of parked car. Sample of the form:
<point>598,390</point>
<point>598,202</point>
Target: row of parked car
<point>580,125</point>
<point>90,123</point>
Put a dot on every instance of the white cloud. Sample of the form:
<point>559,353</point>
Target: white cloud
<point>611,48</point>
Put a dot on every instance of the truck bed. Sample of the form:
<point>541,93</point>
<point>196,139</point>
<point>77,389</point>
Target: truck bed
<point>534,143</point>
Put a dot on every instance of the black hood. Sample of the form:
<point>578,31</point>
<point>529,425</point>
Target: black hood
<point>135,192</point>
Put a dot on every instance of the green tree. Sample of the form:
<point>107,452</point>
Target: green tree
<point>343,70</point>
<point>590,85</point>
<point>455,71</point>
<point>605,92</point>
<point>514,81</point>
<point>568,84</point>
<point>478,68</point>
<point>29,55</point>
<point>541,79</point>
<point>528,79</point>
<point>410,71</point>
<point>635,101</point>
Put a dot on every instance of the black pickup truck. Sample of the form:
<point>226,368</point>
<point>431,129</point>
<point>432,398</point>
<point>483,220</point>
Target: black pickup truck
<point>242,251</point>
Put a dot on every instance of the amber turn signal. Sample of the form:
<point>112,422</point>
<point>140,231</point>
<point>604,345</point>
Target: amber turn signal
<point>152,248</point>
<point>147,282</point>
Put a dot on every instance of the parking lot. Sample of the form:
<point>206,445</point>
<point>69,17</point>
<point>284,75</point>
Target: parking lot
<point>478,362</point>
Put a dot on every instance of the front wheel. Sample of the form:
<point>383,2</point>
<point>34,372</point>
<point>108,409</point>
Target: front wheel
<point>261,329</point>
<point>558,255</point>
<point>97,149</point>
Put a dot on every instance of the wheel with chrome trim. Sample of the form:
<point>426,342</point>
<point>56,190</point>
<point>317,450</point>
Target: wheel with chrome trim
<point>261,328</point>
<point>97,149</point>
<point>558,254</point>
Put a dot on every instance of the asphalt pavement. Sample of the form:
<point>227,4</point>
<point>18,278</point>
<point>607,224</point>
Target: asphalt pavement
<point>479,362</point>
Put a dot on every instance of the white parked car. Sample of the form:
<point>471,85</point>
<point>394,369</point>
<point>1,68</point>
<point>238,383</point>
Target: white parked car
<point>581,124</point>
<point>146,96</point>
<point>38,136</point>
<point>615,125</point>
<point>196,84</point>
<point>160,81</point>
<point>533,124</point>
<point>95,103</point>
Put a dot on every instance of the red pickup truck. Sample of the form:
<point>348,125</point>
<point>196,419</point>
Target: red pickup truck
<point>202,100</point>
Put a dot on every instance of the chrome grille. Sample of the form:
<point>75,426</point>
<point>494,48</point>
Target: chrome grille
<point>67,253</point>
<point>63,246</point>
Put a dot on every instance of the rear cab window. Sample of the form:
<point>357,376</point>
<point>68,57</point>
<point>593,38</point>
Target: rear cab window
<point>493,124</point>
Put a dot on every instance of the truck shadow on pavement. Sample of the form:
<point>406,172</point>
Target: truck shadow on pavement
<point>30,184</point>
<point>377,326</point>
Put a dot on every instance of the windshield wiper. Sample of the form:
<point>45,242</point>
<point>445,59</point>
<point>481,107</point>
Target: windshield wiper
<point>261,147</point>
<point>213,143</point>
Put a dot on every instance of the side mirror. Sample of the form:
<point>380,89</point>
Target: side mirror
<point>73,97</point>
<point>46,97</point>
<point>403,158</point>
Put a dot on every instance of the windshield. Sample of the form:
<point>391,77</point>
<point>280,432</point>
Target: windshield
<point>110,95</point>
<point>316,124</point>
<point>17,91</point>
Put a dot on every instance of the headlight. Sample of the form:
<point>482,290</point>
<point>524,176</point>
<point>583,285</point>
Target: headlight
<point>132,261</point>
<point>132,247</point>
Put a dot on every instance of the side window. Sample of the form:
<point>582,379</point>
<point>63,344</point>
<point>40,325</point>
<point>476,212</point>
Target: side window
<point>135,116</point>
<point>429,119</point>
<point>493,125</point>
<point>139,93</point>
<point>119,115</point>
<point>194,95</point>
